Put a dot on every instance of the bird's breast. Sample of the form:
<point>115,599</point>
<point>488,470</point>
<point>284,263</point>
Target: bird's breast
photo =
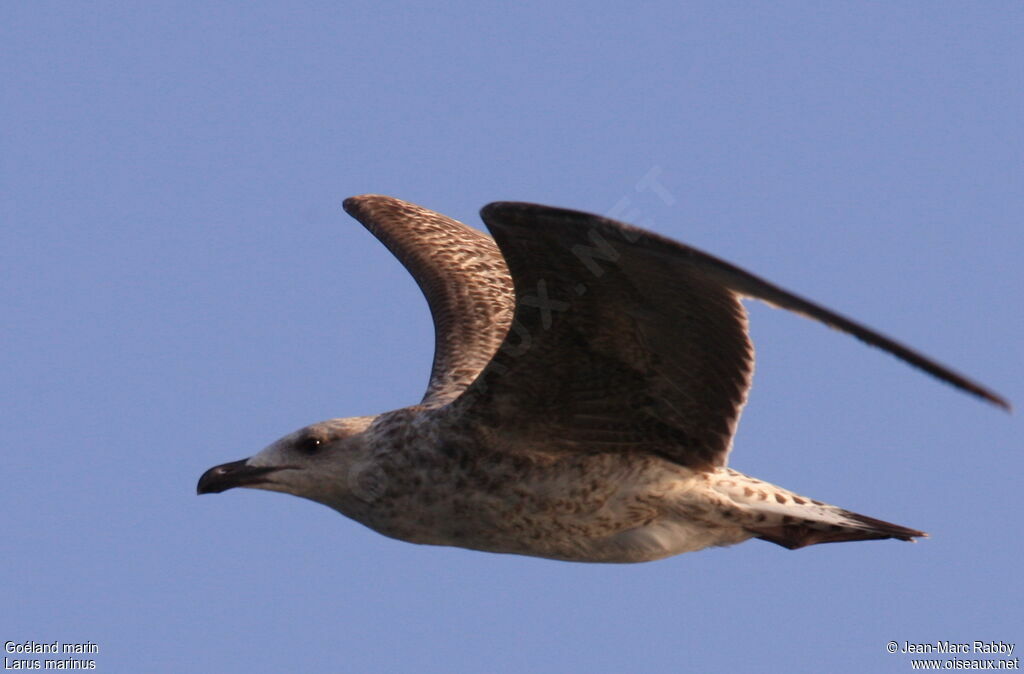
<point>573,506</point>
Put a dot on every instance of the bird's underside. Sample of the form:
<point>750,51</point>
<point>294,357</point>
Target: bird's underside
<point>587,381</point>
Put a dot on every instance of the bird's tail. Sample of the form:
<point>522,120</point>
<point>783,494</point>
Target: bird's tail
<point>855,527</point>
<point>779,516</point>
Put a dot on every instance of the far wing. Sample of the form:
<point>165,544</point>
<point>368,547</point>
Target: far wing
<point>463,277</point>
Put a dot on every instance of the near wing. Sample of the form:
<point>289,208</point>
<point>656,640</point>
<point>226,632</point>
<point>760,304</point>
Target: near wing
<point>623,339</point>
<point>463,276</point>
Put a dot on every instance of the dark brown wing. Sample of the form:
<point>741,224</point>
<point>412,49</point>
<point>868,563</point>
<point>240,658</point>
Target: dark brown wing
<point>463,276</point>
<point>625,339</point>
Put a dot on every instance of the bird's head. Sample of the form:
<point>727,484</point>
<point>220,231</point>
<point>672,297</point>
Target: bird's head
<point>323,462</point>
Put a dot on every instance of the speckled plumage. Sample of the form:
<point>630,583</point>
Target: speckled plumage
<point>584,412</point>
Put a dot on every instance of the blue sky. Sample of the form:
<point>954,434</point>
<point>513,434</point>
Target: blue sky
<point>181,287</point>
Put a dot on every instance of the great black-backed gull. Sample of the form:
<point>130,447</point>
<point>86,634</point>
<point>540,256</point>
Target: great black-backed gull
<point>587,381</point>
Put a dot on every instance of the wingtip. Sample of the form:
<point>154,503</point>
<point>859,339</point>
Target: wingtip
<point>352,204</point>
<point>358,203</point>
<point>1005,404</point>
<point>992,398</point>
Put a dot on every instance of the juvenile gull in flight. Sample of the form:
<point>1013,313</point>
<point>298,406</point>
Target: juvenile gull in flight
<point>587,381</point>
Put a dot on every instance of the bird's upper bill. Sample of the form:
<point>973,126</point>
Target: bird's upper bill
<point>235,474</point>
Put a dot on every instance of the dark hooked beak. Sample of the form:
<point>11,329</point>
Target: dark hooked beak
<point>235,474</point>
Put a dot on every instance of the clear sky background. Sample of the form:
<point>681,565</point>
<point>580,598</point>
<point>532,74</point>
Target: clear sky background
<point>180,287</point>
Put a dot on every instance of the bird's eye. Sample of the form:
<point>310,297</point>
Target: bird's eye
<point>308,445</point>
